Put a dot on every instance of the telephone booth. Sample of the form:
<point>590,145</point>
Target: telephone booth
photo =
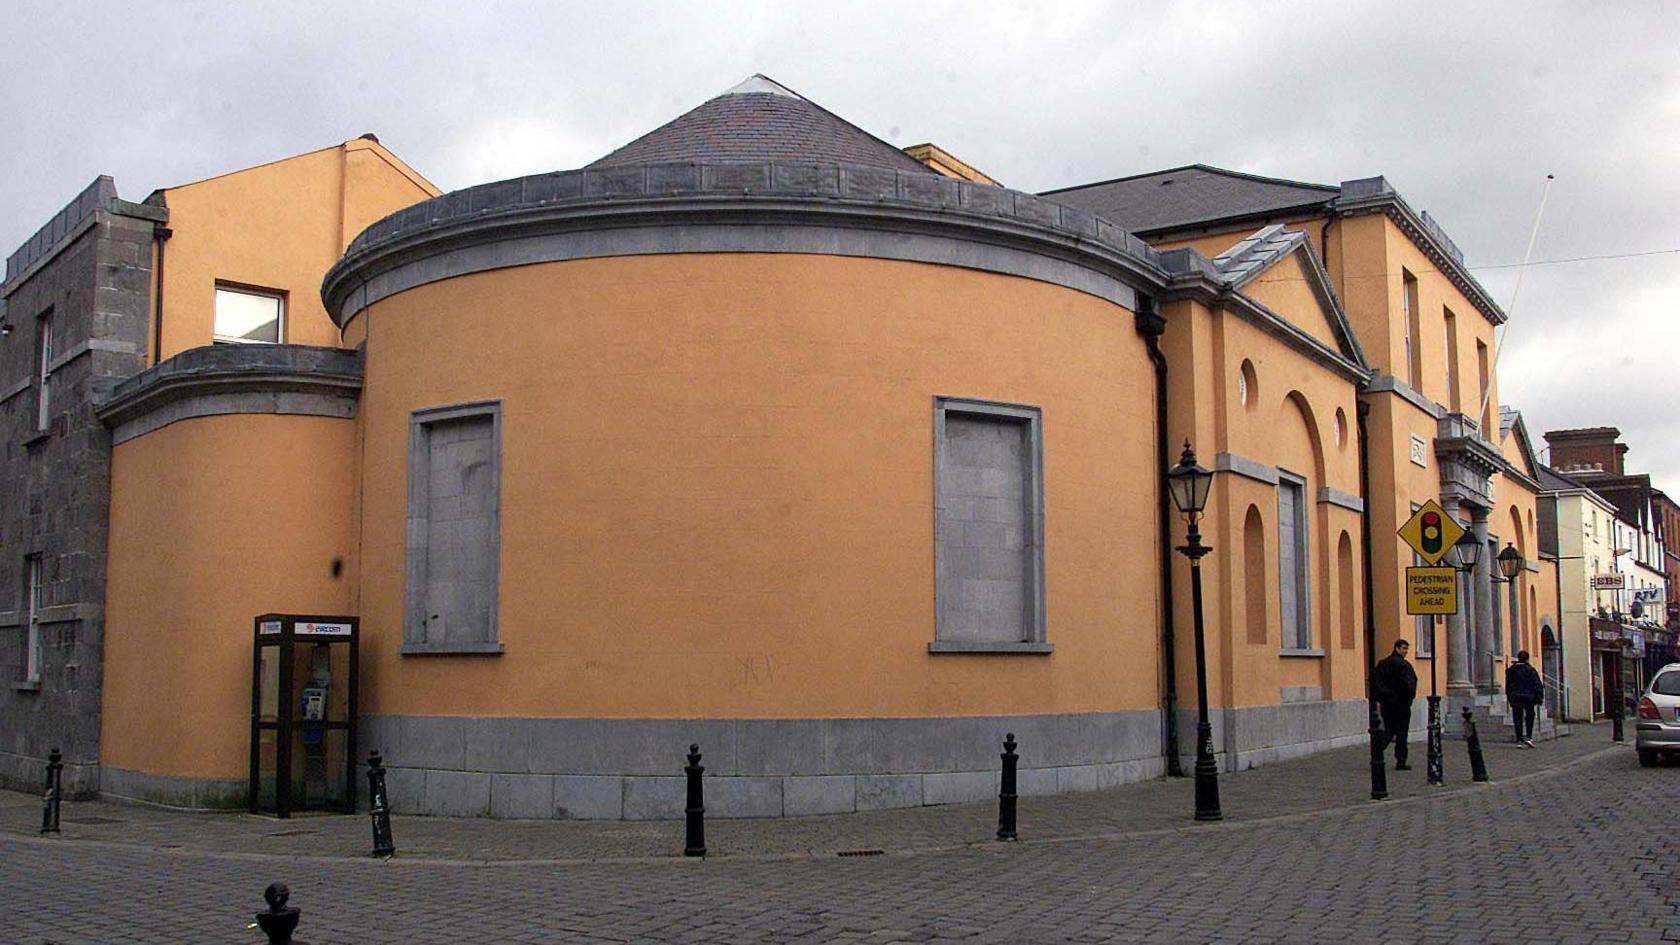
<point>303,714</point>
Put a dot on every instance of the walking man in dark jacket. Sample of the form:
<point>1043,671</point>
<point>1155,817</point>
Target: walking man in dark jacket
<point>1524,691</point>
<point>1394,686</point>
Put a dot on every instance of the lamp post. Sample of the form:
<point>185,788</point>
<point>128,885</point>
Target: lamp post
<point>1188,482</point>
<point>1510,563</point>
<point>1466,552</point>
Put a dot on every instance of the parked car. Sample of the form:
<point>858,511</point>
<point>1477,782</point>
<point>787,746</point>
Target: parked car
<point>1657,718</point>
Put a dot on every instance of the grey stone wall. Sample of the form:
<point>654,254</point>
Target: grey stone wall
<point>55,487</point>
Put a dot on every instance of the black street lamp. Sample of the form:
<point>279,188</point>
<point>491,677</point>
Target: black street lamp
<point>1188,482</point>
<point>1510,563</point>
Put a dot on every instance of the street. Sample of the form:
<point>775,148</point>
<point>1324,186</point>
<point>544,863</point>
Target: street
<point>1578,853</point>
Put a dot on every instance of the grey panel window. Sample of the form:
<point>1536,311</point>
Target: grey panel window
<point>43,372</point>
<point>35,585</point>
<point>246,315</point>
<point>1492,558</point>
<point>988,527</point>
<point>1514,594</point>
<point>1292,562</point>
<point>454,529</point>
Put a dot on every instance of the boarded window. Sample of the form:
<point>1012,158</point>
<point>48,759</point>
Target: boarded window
<point>1347,608</point>
<point>1292,564</point>
<point>1254,575</point>
<point>988,525</point>
<point>454,526</point>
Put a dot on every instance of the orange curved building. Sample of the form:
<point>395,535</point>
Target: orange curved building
<point>758,434</point>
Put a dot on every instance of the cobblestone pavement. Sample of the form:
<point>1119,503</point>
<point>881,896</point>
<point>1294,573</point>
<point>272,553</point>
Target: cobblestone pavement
<point>1316,783</point>
<point>1579,849</point>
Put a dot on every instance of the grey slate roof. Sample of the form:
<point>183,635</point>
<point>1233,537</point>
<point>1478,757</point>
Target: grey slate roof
<point>1258,251</point>
<point>1553,481</point>
<point>1185,196</point>
<point>760,120</point>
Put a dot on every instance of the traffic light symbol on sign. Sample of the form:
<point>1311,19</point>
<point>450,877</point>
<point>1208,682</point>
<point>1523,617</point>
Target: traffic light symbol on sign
<point>1430,534</point>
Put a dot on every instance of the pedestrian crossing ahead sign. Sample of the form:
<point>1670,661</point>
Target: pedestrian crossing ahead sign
<point>1431,590</point>
<point>1431,532</point>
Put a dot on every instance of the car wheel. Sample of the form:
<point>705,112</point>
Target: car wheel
<point>1647,758</point>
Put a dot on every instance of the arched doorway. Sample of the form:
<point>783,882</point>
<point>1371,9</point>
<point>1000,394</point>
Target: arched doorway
<point>1551,663</point>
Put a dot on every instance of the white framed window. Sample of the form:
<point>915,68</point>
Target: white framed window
<point>35,588</point>
<point>43,372</point>
<point>1296,610</point>
<point>988,495</point>
<point>248,315</point>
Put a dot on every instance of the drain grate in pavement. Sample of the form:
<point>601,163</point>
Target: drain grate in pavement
<point>291,833</point>
<point>861,853</point>
<point>93,821</point>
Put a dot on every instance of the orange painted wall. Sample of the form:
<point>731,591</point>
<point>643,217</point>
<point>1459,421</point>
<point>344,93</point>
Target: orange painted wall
<point>1286,289</point>
<point>1206,349</point>
<point>717,486</point>
<point>279,226</point>
<point>213,521</point>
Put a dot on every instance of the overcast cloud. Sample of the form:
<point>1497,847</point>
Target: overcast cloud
<point>1464,107</point>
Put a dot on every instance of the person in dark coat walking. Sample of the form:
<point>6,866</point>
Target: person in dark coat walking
<point>1524,691</point>
<point>1394,686</point>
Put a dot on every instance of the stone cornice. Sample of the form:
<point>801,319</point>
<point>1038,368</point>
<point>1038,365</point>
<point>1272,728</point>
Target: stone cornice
<point>1383,199</point>
<point>227,379</point>
<point>740,207</point>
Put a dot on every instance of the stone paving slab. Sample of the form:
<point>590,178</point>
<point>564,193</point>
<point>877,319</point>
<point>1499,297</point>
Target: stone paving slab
<point>1579,851</point>
<point>1327,781</point>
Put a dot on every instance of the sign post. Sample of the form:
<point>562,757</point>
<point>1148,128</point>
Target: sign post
<point>1432,590</point>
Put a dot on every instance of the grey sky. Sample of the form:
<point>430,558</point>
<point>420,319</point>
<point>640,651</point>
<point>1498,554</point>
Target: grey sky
<point>1465,110</point>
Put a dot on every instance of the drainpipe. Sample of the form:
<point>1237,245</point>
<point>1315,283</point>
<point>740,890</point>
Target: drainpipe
<point>1151,326</point>
<point>1362,411</point>
<point>160,235</point>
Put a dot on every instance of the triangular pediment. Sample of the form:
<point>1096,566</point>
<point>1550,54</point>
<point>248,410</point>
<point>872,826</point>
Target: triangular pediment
<point>1278,269</point>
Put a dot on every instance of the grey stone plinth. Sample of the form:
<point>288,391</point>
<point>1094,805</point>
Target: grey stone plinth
<point>654,798</point>
<point>457,793</point>
<point>833,794</point>
<point>588,797</point>
<point>886,791</point>
<point>522,796</point>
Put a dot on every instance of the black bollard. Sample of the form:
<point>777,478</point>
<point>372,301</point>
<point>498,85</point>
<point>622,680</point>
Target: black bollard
<point>1006,793</point>
<point>695,843</point>
<point>379,807</point>
<point>1437,773</point>
<point>281,920</point>
<point>54,793</point>
<point>1478,767</point>
<point>1379,767</point>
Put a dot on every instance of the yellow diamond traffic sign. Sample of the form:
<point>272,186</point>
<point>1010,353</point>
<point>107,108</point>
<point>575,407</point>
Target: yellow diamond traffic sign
<point>1431,532</point>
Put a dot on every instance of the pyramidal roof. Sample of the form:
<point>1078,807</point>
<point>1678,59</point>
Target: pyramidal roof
<point>762,120</point>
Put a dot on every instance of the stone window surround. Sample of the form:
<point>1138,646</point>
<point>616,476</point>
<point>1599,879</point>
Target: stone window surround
<point>242,288</point>
<point>1033,418</point>
<point>1303,548</point>
<point>418,422</point>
